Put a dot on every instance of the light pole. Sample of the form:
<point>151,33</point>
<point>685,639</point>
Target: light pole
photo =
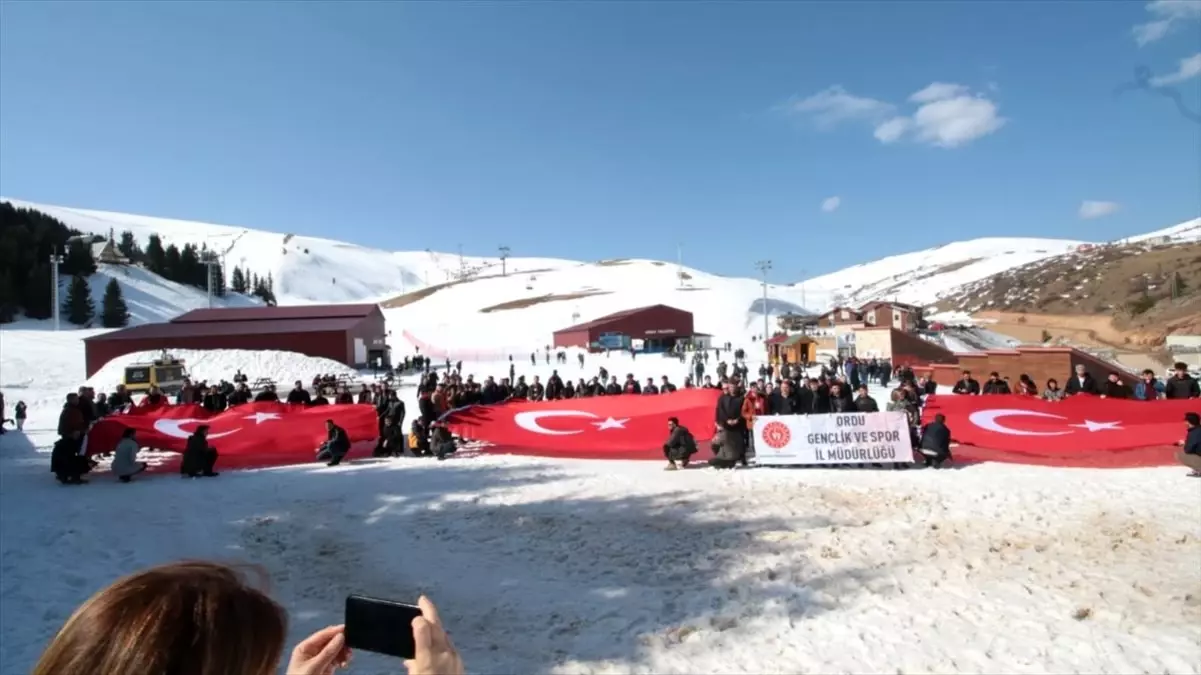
<point>803,273</point>
<point>209,264</point>
<point>504,255</point>
<point>55,261</point>
<point>764,266</point>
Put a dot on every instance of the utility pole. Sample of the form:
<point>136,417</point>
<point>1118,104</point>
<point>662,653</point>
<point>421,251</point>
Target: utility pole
<point>209,264</point>
<point>803,303</point>
<point>680,264</point>
<point>55,261</point>
<point>504,255</point>
<point>764,266</point>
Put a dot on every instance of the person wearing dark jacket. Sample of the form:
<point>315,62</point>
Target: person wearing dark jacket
<point>936,442</point>
<point>995,385</point>
<point>336,445</point>
<point>267,394</point>
<point>1181,385</point>
<point>299,395</point>
<point>680,445</point>
<point>966,385</point>
<point>729,419</point>
<point>1081,382</point>
<point>1114,387</point>
<point>1190,456</point>
<point>240,395</point>
<point>840,403</point>
<point>783,401</point>
<point>391,441</point>
<point>864,402</point>
<point>198,458</point>
<point>815,400</point>
<point>442,442</point>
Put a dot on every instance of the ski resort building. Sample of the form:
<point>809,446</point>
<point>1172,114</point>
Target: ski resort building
<point>656,328</point>
<point>352,334</point>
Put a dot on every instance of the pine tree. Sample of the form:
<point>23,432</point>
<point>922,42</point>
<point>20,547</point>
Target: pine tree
<point>79,260</point>
<point>113,311</point>
<point>156,255</point>
<point>171,265</point>
<point>237,281</point>
<point>128,247</point>
<point>36,295</point>
<point>9,300</point>
<point>78,306</point>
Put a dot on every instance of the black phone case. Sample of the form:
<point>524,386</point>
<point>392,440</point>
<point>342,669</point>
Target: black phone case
<point>380,626</point>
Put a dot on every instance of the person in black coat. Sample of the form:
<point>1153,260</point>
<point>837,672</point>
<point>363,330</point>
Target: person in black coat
<point>442,442</point>
<point>729,419</point>
<point>966,385</point>
<point>783,401</point>
<point>1190,456</point>
<point>1114,387</point>
<point>1181,385</point>
<point>299,395</point>
<point>198,458</point>
<point>1081,383</point>
<point>935,445</point>
<point>995,385</point>
<point>336,445</point>
<point>864,402</point>
<point>267,394</point>
<point>680,445</point>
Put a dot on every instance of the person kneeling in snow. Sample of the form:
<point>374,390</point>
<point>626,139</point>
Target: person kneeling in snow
<point>125,462</point>
<point>198,458</point>
<point>336,445</point>
<point>680,445</point>
<point>935,445</point>
<point>442,442</point>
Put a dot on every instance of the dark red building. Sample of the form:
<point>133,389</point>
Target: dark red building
<point>658,326</point>
<point>352,334</point>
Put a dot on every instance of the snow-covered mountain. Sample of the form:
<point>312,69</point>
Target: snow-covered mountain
<point>151,298</point>
<point>451,301</point>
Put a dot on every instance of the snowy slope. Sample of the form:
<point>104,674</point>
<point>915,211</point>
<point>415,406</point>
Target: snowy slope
<point>151,298</point>
<point>214,365</point>
<point>921,277</point>
<point>1188,231</point>
<point>304,269</point>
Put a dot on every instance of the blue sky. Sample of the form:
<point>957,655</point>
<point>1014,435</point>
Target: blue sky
<point>611,129</point>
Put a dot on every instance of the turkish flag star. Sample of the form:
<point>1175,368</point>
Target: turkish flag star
<point>611,423</point>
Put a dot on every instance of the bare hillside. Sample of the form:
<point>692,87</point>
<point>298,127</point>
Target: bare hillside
<point>1148,288</point>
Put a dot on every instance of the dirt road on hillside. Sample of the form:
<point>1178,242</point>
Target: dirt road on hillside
<point>1087,331</point>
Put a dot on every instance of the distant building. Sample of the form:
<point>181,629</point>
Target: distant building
<point>902,316</point>
<point>1186,348</point>
<point>106,252</point>
<point>659,328</point>
<point>351,334</point>
<point>840,316</point>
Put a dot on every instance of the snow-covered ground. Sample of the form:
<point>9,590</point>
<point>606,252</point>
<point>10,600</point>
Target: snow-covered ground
<point>214,365</point>
<point>565,566</point>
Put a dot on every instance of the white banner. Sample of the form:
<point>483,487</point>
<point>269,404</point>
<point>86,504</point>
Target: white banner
<point>839,438</point>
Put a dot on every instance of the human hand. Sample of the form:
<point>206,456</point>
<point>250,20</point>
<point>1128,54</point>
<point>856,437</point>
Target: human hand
<point>321,653</point>
<point>435,654</point>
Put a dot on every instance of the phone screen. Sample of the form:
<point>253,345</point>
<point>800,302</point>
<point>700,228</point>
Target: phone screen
<point>381,626</point>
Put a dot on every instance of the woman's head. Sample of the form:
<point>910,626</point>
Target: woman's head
<point>185,618</point>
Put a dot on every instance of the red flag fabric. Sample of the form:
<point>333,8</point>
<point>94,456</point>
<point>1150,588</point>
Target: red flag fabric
<point>1075,426</point>
<point>600,426</point>
<point>271,433</point>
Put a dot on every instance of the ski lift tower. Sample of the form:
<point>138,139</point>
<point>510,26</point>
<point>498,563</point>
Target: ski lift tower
<point>764,267</point>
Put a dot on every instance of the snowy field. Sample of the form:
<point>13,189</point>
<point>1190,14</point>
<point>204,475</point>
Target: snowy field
<point>568,566</point>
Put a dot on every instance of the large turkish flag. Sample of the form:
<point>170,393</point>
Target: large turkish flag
<point>1074,426</point>
<point>273,433</point>
<point>593,426</point>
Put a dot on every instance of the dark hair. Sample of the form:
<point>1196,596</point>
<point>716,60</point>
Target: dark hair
<point>1192,418</point>
<point>674,420</point>
<point>940,418</point>
<point>184,618</point>
<point>1149,372</point>
<point>128,433</point>
<point>1180,365</point>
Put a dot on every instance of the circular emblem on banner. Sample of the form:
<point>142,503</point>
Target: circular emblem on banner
<point>776,435</point>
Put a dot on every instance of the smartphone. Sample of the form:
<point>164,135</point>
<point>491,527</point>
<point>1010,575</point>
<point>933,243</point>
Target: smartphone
<point>381,626</point>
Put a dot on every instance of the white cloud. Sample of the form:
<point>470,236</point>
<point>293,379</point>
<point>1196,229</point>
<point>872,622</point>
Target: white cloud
<point>947,116</point>
<point>831,204</point>
<point>1168,15</point>
<point>938,91</point>
<point>835,104</point>
<point>1089,210</point>
<point>1189,68</point>
<point>892,130</point>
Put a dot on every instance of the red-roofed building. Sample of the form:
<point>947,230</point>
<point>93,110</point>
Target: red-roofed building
<point>659,327</point>
<point>352,334</point>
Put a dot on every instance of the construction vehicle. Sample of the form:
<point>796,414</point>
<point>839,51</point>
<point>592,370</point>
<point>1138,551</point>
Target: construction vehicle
<point>166,372</point>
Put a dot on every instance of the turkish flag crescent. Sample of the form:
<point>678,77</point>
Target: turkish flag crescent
<point>1074,426</point>
<point>276,432</point>
<point>629,422</point>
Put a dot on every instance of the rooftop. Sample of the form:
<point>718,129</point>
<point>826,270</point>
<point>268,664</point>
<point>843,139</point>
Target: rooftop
<point>600,321</point>
<point>297,312</point>
<point>153,331</point>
